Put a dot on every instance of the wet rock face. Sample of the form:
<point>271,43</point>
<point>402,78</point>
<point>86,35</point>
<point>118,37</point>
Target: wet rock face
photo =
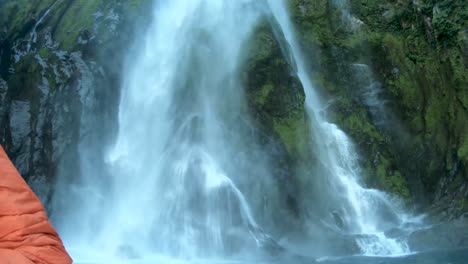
<point>43,118</point>
<point>3,106</point>
<point>395,75</point>
<point>449,235</point>
<point>275,95</point>
<point>54,65</point>
<point>20,119</point>
<point>276,104</point>
<point>396,84</point>
<point>60,74</point>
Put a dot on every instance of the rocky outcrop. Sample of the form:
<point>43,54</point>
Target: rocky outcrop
<point>423,72</point>
<point>449,235</point>
<point>55,64</point>
<point>396,75</point>
<point>276,103</point>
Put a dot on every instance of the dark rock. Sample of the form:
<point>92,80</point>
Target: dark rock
<point>20,125</point>
<point>453,234</point>
<point>56,62</point>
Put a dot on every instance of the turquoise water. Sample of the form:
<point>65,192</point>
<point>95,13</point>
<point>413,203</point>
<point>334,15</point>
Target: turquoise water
<point>456,256</point>
<point>459,256</point>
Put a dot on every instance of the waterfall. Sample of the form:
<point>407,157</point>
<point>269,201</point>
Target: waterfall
<point>174,181</point>
<point>366,213</point>
<point>184,178</point>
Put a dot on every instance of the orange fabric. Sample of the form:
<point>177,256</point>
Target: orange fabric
<point>26,235</point>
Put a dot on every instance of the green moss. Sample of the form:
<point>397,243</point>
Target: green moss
<point>19,15</point>
<point>293,134</point>
<point>79,17</point>
<point>462,204</point>
<point>381,171</point>
<point>263,44</point>
<point>391,180</point>
<point>44,52</point>
<point>358,125</point>
<point>463,150</point>
<point>407,89</point>
<point>262,95</point>
<point>355,40</point>
<point>274,93</point>
<point>434,113</point>
<point>321,81</point>
<point>445,28</point>
<point>312,19</point>
<point>28,74</point>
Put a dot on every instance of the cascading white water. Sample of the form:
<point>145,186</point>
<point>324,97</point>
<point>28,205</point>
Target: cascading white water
<point>363,211</point>
<point>180,155</point>
<point>177,181</point>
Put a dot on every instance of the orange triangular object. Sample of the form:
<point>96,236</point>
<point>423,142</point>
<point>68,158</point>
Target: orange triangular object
<point>26,235</point>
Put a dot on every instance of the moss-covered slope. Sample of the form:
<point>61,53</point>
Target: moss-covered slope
<point>397,74</point>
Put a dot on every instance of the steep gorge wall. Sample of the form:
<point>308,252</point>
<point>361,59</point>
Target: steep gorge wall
<point>62,59</point>
<point>395,73</point>
<point>58,59</point>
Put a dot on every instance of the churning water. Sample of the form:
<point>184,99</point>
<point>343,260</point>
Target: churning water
<point>184,178</point>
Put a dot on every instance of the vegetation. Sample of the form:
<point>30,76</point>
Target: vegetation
<point>417,51</point>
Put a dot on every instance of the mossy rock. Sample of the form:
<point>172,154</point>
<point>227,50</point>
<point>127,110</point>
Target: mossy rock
<point>24,83</point>
<point>274,90</point>
<point>19,16</point>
